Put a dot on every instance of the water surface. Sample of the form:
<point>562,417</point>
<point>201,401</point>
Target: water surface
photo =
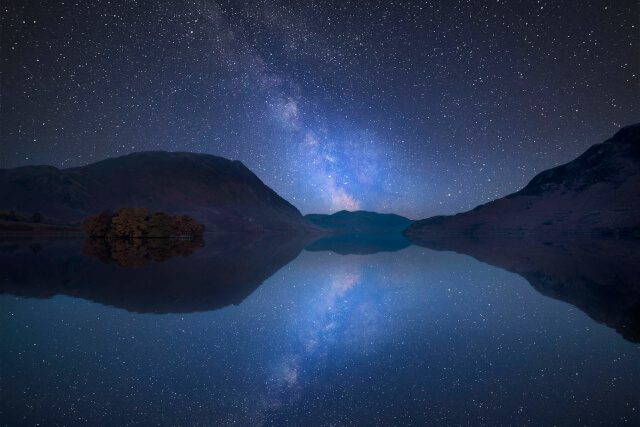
<point>261,331</point>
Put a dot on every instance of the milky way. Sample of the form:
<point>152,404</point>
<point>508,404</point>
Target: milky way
<point>414,107</point>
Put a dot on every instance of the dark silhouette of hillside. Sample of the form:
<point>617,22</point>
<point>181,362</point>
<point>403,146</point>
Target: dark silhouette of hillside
<point>360,222</point>
<point>597,192</point>
<point>221,194</point>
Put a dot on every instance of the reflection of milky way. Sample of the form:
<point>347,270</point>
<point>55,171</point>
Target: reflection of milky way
<point>343,314</point>
<point>413,337</point>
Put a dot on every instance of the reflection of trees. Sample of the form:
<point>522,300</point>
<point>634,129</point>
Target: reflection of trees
<point>138,252</point>
<point>223,271</point>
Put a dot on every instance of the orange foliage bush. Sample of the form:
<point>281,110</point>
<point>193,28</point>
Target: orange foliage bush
<point>139,223</point>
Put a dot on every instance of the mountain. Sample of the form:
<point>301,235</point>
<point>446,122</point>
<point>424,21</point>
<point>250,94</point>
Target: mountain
<point>596,274</point>
<point>597,192</point>
<point>222,194</point>
<point>360,222</point>
<point>224,272</point>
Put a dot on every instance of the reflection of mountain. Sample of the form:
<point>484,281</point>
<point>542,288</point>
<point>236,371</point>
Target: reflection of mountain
<point>226,271</point>
<point>598,191</point>
<point>360,222</point>
<point>360,244</point>
<point>220,193</point>
<point>600,276</point>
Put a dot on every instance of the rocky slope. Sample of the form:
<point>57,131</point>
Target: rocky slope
<point>360,222</point>
<point>222,194</point>
<point>597,192</point>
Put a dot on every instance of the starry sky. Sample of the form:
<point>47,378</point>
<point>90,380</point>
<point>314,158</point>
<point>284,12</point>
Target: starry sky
<point>413,107</point>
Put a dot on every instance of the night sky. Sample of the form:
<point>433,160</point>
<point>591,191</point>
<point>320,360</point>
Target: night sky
<point>413,107</point>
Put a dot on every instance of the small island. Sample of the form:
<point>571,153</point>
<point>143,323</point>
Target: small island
<point>131,237</point>
<point>137,223</point>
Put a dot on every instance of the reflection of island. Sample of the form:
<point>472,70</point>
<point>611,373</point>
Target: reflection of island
<point>360,244</point>
<point>598,275</point>
<point>225,271</point>
<point>138,252</point>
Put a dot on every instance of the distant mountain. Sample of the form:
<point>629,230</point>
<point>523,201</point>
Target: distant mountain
<point>360,222</point>
<point>222,194</point>
<point>597,192</point>
<point>597,274</point>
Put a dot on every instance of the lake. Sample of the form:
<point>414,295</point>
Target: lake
<point>252,330</point>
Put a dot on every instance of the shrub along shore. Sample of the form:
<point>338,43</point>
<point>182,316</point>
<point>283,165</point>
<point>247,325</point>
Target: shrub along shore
<point>140,223</point>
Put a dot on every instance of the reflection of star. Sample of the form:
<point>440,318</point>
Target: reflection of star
<point>335,317</point>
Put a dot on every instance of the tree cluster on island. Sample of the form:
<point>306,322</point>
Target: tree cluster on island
<point>140,223</point>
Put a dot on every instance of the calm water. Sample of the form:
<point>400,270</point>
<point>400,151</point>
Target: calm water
<point>266,332</point>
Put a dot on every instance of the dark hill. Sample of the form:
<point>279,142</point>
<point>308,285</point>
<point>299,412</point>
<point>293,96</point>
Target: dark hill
<point>597,192</point>
<point>222,194</point>
<point>360,222</point>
